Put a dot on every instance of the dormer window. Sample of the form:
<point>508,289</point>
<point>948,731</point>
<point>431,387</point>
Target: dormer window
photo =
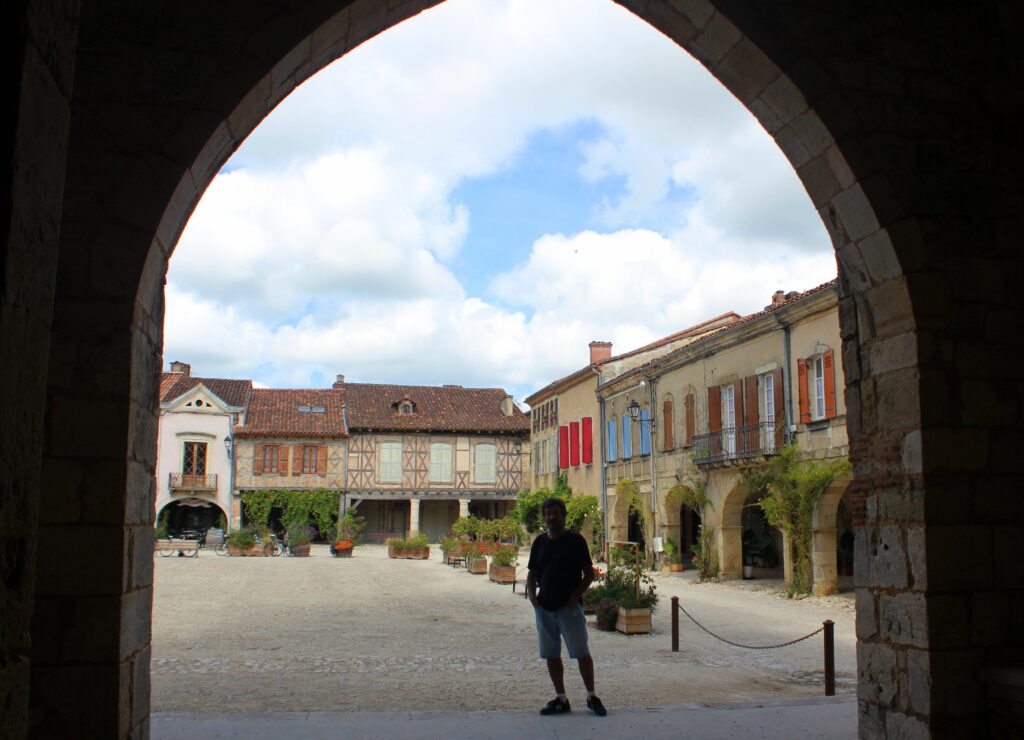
<point>404,406</point>
<point>312,410</point>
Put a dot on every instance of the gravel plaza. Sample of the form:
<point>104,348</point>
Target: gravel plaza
<point>371,634</point>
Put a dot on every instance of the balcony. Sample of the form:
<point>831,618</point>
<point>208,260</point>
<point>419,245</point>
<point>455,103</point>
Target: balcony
<point>735,444</point>
<point>190,482</point>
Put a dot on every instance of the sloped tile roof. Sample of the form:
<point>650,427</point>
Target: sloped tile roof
<point>448,408</point>
<point>274,412</point>
<point>788,301</point>
<point>231,392</point>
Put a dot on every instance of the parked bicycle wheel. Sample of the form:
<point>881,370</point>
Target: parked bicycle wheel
<point>222,549</point>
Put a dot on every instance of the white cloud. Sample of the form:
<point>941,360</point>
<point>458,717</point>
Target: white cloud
<point>332,243</point>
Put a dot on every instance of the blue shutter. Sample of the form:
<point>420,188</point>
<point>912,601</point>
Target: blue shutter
<point>612,436</point>
<point>627,438</point>
<point>645,431</point>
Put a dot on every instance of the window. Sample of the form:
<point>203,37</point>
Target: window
<point>613,428</point>
<point>818,386</point>
<point>690,404</point>
<point>484,459</point>
<point>309,459</point>
<point>666,423</point>
<point>271,457</point>
<point>769,398</point>
<point>729,419</point>
<point>405,408</point>
<point>440,462</point>
<point>194,462</point>
<point>627,437</point>
<point>390,467</point>
<point>816,383</point>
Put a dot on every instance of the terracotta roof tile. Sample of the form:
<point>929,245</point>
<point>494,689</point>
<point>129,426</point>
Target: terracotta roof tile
<point>448,408</point>
<point>275,412</point>
<point>231,392</point>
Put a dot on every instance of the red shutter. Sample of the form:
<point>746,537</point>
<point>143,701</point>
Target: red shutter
<point>297,460</point>
<point>321,460</point>
<point>714,409</point>
<point>282,459</point>
<point>805,398</point>
<point>751,413</point>
<point>830,384</point>
<point>563,447</point>
<point>574,443</point>
<point>257,460</point>
<point>779,394</point>
<point>666,423</point>
<point>691,418</point>
<point>588,440</point>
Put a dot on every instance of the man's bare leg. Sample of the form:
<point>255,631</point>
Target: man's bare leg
<point>586,672</point>
<point>557,672</point>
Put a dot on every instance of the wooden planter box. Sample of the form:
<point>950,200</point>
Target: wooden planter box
<point>257,551</point>
<point>417,553</point>
<point>299,551</point>
<point>502,573</point>
<point>477,566</point>
<point>633,621</point>
<point>346,553</point>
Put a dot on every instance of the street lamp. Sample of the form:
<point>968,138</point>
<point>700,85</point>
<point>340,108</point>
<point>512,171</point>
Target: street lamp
<point>634,410</point>
<point>227,445</point>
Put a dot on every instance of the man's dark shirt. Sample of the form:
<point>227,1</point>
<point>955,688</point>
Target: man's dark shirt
<point>558,566</point>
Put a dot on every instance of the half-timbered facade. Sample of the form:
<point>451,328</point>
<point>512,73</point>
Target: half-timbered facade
<point>421,456</point>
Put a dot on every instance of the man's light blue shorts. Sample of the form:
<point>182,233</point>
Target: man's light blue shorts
<point>568,624</point>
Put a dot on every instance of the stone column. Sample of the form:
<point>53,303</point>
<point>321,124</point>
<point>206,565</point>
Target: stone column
<point>414,516</point>
<point>730,551</point>
<point>463,507</point>
<point>823,561</point>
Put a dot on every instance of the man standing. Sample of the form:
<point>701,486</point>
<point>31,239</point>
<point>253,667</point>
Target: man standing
<point>560,564</point>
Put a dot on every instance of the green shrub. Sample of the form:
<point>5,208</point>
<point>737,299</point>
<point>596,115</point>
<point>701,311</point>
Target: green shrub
<point>161,527</point>
<point>244,537</point>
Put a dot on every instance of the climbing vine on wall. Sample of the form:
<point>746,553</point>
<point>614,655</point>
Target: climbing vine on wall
<point>790,487</point>
<point>626,490</point>
<point>298,507</point>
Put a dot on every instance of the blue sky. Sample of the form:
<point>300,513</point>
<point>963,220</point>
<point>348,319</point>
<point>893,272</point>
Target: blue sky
<point>477,211</point>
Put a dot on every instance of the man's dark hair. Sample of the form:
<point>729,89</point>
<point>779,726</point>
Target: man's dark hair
<point>553,502</point>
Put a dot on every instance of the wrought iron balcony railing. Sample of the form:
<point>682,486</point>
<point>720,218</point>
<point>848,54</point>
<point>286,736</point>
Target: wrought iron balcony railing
<point>738,443</point>
<point>191,482</point>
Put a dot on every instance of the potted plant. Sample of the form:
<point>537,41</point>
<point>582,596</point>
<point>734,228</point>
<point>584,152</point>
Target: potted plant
<point>607,612</point>
<point>299,537</point>
<point>449,549</point>
<point>412,548</point>
<point>345,533</point>
<point>675,556</point>
<point>243,542</point>
<point>476,559</point>
<point>636,596</point>
<point>503,563</point>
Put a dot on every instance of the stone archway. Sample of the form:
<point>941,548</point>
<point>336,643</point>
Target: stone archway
<point>728,535</point>
<point>824,539</point>
<point>895,123</point>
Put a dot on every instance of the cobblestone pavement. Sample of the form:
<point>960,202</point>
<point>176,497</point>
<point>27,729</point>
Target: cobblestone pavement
<point>369,633</point>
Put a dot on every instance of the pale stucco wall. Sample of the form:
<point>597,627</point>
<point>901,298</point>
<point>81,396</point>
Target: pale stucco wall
<point>175,429</point>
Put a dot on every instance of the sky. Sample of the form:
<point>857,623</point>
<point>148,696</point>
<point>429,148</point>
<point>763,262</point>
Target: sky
<point>474,196</point>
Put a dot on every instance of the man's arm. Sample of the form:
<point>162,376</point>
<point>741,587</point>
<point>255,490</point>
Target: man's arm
<point>531,588</point>
<point>588,578</point>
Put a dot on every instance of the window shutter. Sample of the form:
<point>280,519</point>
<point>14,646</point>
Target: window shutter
<point>645,431</point>
<point>297,460</point>
<point>574,443</point>
<point>257,461</point>
<point>588,440</point>
<point>321,460</point>
<point>751,414</point>
<point>563,447</point>
<point>828,363</point>
<point>714,408</point>
<point>627,437</point>
<point>282,459</point>
<point>691,418</point>
<point>666,423</point>
<point>613,436</point>
<point>805,398</point>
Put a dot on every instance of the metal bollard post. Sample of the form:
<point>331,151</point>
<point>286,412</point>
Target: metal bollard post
<point>675,624</point>
<point>830,658</point>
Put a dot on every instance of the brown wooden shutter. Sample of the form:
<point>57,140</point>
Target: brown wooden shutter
<point>751,413</point>
<point>691,418</point>
<point>828,368</point>
<point>805,399</point>
<point>779,397</point>
<point>666,422</point>
<point>714,409</point>
<point>297,460</point>
<point>257,460</point>
<point>282,459</point>
<point>321,460</point>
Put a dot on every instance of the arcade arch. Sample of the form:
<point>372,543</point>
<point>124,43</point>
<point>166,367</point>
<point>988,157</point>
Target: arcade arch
<point>850,121</point>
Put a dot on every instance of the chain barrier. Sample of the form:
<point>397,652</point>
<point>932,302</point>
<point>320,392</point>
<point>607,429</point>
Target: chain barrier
<point>749,647</point>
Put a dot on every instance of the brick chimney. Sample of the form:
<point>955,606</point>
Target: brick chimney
<point>599,352</point>
<point>508,406</point>
<point>339,382</point>
<point>778,297</point>
<point>181,367</point>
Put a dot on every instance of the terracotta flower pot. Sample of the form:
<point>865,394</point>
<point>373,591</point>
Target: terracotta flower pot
<point>502,573</point>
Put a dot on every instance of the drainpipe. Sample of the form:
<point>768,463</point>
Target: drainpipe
<point>344,464</point>
<point>787,394</point>
<point>651,441</point>
<point>604,457</point>
<point>232,456</point>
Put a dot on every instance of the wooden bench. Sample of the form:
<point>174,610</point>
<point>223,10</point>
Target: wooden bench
<point>188,548</point>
